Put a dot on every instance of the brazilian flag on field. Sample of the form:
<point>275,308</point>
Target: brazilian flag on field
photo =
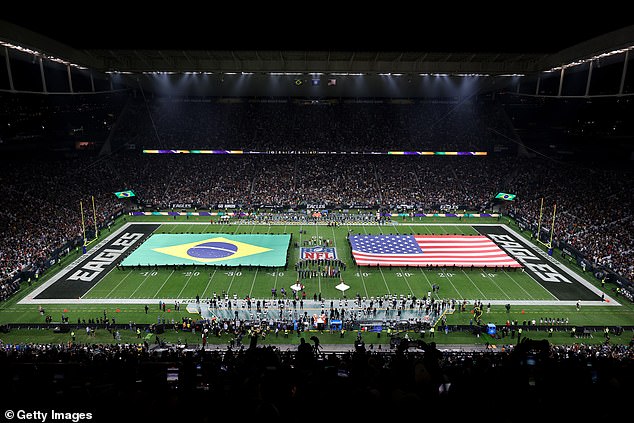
<point>124,194</point>
<point>213,249</point>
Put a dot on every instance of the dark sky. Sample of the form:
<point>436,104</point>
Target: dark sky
<point>396,26</point>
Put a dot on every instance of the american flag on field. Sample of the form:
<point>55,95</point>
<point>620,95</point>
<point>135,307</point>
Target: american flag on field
<point>428,250</point>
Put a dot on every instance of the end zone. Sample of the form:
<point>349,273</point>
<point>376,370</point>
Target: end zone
<point>86,271</point>
<point>567,286</point>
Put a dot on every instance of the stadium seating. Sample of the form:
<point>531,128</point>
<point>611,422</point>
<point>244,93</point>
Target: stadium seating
<point>270,381</point>
<point>594,211</point>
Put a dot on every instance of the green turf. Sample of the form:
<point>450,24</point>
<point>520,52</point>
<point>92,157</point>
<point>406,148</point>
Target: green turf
<point>203,281</point>
<point>187,282</point>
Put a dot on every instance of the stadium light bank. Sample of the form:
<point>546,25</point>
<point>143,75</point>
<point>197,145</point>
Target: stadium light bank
<point>591,59</point>
<point>41,55</point>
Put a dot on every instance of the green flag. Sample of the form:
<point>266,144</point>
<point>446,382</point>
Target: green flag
<point>505,196</point>
<point>124,194</point>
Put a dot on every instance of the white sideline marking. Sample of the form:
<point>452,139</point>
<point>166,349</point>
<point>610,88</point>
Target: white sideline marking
<point>29,299</point>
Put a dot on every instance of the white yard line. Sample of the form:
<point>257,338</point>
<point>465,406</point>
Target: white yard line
<point>186,283</point>
<point>231,283</point>
<point>300,249</point>
<point>141,284</point>
<point>277,273</point>
<point>365,288</point>
<point>452,285</point>
<point>117,286</point>
<point>166,279</point>
<point>474,284</point>
<point>384,280</point>
<point>318,273</point>
<point>119,301</point>
<point>485,273</point>
<point>522,288</point>
<point>253,283</point>
<point>426,278</point>
<point>406,281</point>
<point>209,283</point>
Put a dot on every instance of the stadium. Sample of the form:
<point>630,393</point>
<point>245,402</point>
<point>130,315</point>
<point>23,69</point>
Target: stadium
<point>391,230</point>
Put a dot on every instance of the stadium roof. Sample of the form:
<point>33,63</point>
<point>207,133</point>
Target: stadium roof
<point>419,45</point>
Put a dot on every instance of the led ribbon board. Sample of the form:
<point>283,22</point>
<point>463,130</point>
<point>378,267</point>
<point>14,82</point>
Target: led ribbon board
<point>293,152</point>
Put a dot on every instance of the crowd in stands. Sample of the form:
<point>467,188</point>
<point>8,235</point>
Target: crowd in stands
<point>40,219</point>
<point>522,380</point>
<point>43,120</point>
<point>40,213</point>
<point>262,125</point>
<point>593,209</point>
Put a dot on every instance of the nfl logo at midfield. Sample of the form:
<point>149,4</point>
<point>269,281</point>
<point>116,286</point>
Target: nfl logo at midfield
<point>317,253</point>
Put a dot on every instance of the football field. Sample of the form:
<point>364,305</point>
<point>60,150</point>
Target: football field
<point>99,278</point>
